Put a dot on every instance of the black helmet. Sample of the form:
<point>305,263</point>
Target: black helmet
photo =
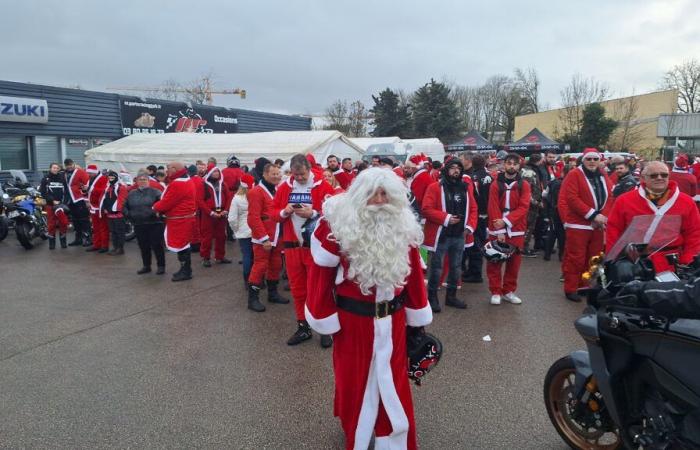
<point>424,352</point>
<point>495,251</point>
<point>232,161</point>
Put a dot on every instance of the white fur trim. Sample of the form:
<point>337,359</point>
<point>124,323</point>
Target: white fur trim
<point>173,249</point>
<point>419,317</point>
<point>260,241</point>
<point>447,220</point>
<point>471,230</point>
<point>321,256</point>
<point>589,213</point>
<point>327,325</point>
<point>577,226</point>
<point>508,223</point>
<point>666,206</point>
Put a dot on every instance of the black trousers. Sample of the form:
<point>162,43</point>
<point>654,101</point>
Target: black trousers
<point>473,260</point>
<point>117,227</point>
<point>150,239</point>
<point>556,233</point>
<point>80,216</point>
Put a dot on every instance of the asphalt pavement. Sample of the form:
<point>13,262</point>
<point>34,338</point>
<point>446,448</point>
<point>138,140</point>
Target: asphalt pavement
<point>94,356</point>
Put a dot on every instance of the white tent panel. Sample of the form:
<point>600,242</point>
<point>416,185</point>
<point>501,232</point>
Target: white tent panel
<point>363,143</point>
<point>139,150</point>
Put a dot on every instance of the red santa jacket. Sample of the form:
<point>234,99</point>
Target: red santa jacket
<point>198,183</point>
<point>344,178</point>
<point>213,199</point>
<point>577,204</point>
<point>178,199</point>
<point>635,203</point>
<point>260,211</point>
<point>419,183</point>
<point>555,171</point>
<point>510,202</point>
<point>320,190</point>
<point>77,182</point>
<point>232,177</point>
<point>687,183</point>
<point>436,217</point>
<point>96,192</point>
<point>118,193</point>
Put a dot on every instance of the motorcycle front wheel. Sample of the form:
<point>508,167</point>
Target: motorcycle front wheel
<point>560,399</point>
<point>23,230</point>
<point>4,227</point>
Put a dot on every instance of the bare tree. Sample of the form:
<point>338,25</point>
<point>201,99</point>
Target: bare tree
<point>337,115</point>
<point>574,98</point>
<point>491,97</point>
<point>685,78</point>
<point>529,84</point>
<point>470,107</point>
<point>357,119</point>
<point>630,130</point>
<point>199,90</point>
<point>170,90</point>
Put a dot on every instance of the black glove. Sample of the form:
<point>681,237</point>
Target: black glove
<point>631,294</point>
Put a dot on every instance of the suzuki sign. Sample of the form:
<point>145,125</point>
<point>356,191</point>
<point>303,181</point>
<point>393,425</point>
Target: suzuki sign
<point>16,109</point>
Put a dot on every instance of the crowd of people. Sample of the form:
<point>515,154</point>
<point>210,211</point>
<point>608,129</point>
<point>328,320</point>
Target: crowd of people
<point>354,239</point>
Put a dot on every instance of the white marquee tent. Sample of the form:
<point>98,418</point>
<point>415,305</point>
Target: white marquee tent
<point>139,150</point>
<point>363,143</point>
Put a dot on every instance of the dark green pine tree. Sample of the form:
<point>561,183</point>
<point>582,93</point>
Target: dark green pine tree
<point>435,113</point>
<point>595,127</point>
<point>390,117</point>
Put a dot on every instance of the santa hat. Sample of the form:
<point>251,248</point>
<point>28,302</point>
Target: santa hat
<point>312,160</point>
<point>681,162</point>
<point>92,169</point>
<point>247,181</point>
<point>591,151</point>
<point>417,160</point>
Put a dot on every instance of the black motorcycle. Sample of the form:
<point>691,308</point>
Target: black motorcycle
<point>638,385</point>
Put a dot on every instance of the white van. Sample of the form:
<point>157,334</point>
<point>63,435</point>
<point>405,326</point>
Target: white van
<point>401,151</point>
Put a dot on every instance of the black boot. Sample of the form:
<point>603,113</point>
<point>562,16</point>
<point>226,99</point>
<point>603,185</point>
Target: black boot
<point>434,302</point>
<point>302,334</point>
<point>254,299</point>
<point>452,300</point>
<point>185,272</point>
<point>62,240</point>
<point>78,240</point>
<point>144,269</point>
<point>273,295</point>
<point>87,237</point>
<point>52,243</point>
<point>326,340</point>
<point>160,270</point>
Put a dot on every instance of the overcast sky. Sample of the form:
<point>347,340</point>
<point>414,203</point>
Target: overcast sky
<point>300,56</point>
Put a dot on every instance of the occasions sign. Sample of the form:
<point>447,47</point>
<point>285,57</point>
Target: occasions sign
<point>153,116</point>
<point>18,109</point>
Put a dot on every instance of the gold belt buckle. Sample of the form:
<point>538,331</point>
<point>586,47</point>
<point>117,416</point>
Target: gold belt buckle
<point>381,309</point>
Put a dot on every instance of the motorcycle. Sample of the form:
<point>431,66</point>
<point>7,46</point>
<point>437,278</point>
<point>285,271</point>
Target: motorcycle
<point>637,386</point>
<point>23,206</point>
<point>4,221</point>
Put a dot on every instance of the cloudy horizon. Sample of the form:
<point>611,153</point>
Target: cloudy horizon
<point>299,57</point>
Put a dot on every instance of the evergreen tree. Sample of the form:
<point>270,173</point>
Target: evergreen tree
<point>435,113</point>
<point>391,118</point>
<point>595,127</point>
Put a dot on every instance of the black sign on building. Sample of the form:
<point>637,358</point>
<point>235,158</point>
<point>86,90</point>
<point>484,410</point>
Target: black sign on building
<point>156,116</point>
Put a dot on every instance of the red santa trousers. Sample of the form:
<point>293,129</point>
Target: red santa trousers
<point>298,260</point>
<point>212,229</point>
<point>100,231</point>
<point>580,246</point>
<point>196,228</point>
<point>52,219</point>
<point>356,405</point>
<point>266,265</point>
<point>504,282</point>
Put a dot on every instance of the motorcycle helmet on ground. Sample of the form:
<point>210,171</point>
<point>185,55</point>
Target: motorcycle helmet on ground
<point>232,161</point>
<point>424,352</point>
<point>495,251</point>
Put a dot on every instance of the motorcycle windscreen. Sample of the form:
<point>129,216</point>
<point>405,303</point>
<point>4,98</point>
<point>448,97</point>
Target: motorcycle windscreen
<point>655,232</point>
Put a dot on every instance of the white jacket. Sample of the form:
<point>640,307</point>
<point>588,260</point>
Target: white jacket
<point>238,217</point>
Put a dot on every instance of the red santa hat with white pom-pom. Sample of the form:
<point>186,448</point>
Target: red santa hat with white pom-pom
<point>417,160</point>
<point>590,151</point>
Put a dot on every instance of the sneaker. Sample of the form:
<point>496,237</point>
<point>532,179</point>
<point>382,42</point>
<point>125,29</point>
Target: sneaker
<point>223,261</point>
<point>206,262</point>
<point>512,298</point>
<point>302,334</point>
<point>561,278</point>
<point>529,253</point>
<point>326,340</point>
<point>495,299</point>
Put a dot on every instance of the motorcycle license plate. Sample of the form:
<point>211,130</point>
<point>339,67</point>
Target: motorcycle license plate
<point>12,214</point>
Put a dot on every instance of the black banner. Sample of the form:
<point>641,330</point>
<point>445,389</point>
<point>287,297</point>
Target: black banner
<point>154,116</point>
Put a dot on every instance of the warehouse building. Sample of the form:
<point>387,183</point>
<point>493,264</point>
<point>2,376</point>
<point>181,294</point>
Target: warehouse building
<point>44,124</point>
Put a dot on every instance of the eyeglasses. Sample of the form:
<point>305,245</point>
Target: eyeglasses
<point>657,175</point>
<point>592,159</point>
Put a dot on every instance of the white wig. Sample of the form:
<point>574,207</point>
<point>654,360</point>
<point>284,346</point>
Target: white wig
<point>375,238</point>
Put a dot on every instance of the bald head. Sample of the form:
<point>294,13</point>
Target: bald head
<point>174,167</point>
<point>655,176</point>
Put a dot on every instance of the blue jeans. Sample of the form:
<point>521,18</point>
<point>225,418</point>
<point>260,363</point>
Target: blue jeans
<point>453,247</point>
<point>247,253</point>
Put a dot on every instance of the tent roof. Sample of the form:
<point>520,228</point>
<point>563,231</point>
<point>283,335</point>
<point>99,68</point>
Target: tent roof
<point>471,141</point>
<point>363,143</point>
<point>160,148</point>
<point>535,139</point>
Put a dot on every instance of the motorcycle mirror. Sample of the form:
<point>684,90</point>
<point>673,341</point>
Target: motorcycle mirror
<point>632,252</point>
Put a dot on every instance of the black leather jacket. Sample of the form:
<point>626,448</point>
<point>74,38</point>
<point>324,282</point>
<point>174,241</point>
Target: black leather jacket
<point>138,206</point>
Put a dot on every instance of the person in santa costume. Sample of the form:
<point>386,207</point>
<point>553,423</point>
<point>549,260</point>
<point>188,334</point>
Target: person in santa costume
<point>658,196</point>
<point>345,174</point>
<point>214,205</point>
<point>418,179</point>
<point>100,225</point>
<point>265,234</point>
<point>77,180</point>
<point>233,173</point>
<point>584,204</point>
<point>686,181</point>
<point>54,190</point>
<point>509,203</point>
<point>197,180</point>
<point>111,206</point>
<point>179,206</point>
<point>553,167</point>
<point>366,287</point>
<point>297,204</point>
<point>450,212</point>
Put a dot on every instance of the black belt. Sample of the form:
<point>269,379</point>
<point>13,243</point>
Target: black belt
<point>295,245</point>
<point>378,310</point>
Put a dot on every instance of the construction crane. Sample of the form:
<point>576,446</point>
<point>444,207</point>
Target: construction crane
<point>206,90</point>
